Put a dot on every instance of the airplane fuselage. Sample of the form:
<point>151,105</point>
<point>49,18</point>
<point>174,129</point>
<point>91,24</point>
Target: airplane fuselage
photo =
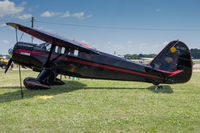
<point>73,62</point>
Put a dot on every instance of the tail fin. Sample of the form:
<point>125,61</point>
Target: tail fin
<point>175,56</point>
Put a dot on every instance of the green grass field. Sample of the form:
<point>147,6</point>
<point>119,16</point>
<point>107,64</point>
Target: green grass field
<point>87,105</point>
<point>196,61</point>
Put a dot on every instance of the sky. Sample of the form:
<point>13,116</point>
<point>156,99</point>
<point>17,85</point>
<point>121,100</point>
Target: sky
<point>123,26</point>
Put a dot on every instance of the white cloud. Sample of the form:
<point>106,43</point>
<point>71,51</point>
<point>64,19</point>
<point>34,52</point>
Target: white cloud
<point>79,15</point>
<point>66,14</point>
<point>2,25</point>
<point>5,41</point>
<point>50,14</point>
<point>8,8</point>
<point>25,16</point>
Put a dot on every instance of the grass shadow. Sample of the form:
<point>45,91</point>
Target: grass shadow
<point>68,87</point>
<point>16,95</point>
<point>163,89</point>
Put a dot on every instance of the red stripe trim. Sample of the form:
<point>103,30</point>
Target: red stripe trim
<point>90,63</point>
<point>170,73</point>
<point>19,51</point>
<point>175,72</point>
<point>42,85</point>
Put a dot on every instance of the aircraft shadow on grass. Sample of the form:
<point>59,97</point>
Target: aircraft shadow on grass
<point>68,87</point>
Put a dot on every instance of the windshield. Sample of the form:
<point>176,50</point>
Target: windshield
<point>45,46</point>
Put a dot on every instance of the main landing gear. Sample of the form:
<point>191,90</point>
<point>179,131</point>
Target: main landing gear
<point>46,78</point>
<point>158,87</point>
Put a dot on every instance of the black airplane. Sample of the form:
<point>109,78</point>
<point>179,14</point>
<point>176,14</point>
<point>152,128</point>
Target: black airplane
<point>69,57</point>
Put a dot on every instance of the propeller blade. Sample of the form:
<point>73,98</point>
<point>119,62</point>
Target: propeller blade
<point>8,65</point>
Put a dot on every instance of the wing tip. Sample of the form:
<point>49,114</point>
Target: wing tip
<point>14,25</point>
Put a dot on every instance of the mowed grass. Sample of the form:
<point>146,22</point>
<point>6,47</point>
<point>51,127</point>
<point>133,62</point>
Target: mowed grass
<point>88,105</point>
<point>196,61</point>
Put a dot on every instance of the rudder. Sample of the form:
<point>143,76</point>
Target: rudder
<point>175,56</point>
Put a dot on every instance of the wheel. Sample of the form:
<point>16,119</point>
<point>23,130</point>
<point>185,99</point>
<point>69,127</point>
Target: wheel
<point>3,67</point>
<point>34,84</point>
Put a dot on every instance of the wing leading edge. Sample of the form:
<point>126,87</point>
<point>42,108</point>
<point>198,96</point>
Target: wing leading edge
<point>54,39</point>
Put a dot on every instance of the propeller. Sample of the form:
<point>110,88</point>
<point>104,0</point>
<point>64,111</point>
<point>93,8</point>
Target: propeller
<point>10,51</point>
<point>8,65</point>
<point>20,77</point>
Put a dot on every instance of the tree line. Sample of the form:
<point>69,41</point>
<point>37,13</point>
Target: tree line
<point>6,56</point>
<point>139,56</point>
<point>195,53</point>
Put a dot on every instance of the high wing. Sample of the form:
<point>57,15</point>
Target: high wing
<point>54,39</point>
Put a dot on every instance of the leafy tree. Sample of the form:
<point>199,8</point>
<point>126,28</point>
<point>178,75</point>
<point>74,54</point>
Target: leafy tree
<point>195,53</point>
<point>139,56</point>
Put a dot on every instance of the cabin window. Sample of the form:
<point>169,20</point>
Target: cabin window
<point>63,50</point>
<point>71,52</point>
<point>56,49</point>
<point>76,52</point>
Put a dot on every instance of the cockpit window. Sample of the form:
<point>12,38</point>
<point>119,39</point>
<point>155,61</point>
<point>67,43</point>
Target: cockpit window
<point>45,46</point>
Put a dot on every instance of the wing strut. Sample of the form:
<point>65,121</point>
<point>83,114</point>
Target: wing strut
<point>49,56</point>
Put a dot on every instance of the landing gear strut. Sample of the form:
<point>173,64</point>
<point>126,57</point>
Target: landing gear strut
<point>157,86</point>
<point>46,78</point>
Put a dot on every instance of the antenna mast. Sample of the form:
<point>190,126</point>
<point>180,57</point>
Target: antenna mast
<point>32,24</point>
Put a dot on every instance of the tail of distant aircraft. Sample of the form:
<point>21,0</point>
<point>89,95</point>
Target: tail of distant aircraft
<point>175,58</point>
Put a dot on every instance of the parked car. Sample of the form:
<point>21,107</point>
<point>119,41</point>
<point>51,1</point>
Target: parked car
<point>3,63</point>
